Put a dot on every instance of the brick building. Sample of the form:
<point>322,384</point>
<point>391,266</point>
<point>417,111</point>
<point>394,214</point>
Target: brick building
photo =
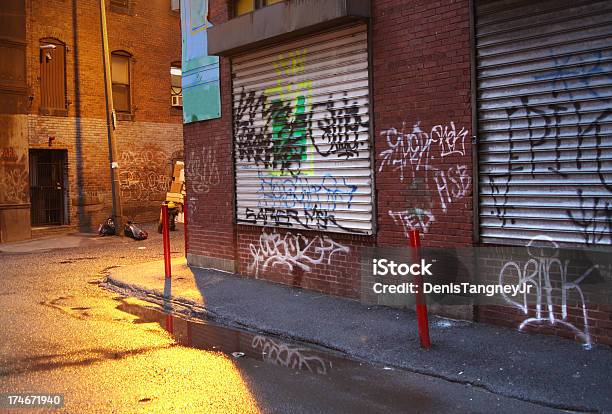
<point>56,157</point>
<point>348,123</point>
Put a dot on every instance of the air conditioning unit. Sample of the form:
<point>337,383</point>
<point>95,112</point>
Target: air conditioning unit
<point>177,100</point>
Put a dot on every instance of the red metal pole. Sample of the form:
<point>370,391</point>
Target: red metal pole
<point>421,303</point>
<point>166,238</point>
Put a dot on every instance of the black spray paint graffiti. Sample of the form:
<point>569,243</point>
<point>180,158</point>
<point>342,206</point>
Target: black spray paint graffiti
<point>272,135</point>
<point>594,218</point>
<point>315,218</point>
<point>252,141</point>
<point>341,126</point>
<point>548,124</point>
<point>576,124</point>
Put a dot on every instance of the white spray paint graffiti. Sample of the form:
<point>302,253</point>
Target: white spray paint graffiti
<point>544,257</point>
<point>452,185</point>
<point>202,171</point>
<point>14,181</point>
<point>192,207</point>
<point>411,151</point>
<point>292,250</point>
<point>289,356</point>
<point>414,219</point>
<point>144,174</point>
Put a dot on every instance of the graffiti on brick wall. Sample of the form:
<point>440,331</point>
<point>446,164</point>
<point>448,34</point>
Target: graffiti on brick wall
<point>410,153</point>
<point>144,174</point>
<point>14,180</point>
<point>192,207</point>
<point>289,356</point>
<point>547,272</point>
<point>288,251</point>
<point>202,170</point>
<point>414,219</point>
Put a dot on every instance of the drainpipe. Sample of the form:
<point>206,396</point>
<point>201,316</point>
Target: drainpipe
<point>110,124</point>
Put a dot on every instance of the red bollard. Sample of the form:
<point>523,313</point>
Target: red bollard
<point>421,303</point>
<point>166,238</point>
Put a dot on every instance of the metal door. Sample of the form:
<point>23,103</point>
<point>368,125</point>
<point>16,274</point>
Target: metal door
<point>302,134</point>
<point>47,187</point>
<point>545,120</point>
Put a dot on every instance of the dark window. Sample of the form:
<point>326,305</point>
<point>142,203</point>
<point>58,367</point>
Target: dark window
<point>52,76</point>
<point>247,6</point>
<point>119,3</point>
<point>176,89</point>
<point>120,74</point>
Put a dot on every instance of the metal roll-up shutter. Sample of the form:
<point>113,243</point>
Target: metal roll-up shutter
<point>544,79</point>
<point>302,134</point>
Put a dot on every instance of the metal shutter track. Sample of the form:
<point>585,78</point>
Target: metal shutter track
<point>301,134</point>
<point>544,111</point>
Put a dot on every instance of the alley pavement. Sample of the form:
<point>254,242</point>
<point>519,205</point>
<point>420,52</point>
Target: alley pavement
<point>546,370</point>
<point>64,333</point>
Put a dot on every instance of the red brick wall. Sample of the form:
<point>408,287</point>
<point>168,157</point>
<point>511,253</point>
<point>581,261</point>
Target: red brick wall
<point>210,171</point>
<point>421,97</point>
<point>325,262</point>
<point>146,145</point>
<point>421,74</point>
<point>420,79</point>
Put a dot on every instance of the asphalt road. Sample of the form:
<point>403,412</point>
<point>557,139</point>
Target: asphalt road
<point>62,333</point>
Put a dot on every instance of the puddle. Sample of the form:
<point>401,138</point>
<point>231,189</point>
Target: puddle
<point>237,343</point>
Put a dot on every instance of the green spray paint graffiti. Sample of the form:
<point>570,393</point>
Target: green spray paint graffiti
<point>289,140</point>
<point>288,113</point>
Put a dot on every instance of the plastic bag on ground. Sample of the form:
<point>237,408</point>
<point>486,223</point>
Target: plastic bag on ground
<point>135,232</point>
<point>107,229</point>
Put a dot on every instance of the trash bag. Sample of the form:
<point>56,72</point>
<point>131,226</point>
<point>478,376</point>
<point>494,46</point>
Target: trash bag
<point>135,232</point>
<point>107,229</point>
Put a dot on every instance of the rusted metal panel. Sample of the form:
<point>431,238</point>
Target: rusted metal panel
<point>301,134</point>
<point>12,20</point>
<point>13,85</point>
<point>544,112</point>
<point>52,75</point>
